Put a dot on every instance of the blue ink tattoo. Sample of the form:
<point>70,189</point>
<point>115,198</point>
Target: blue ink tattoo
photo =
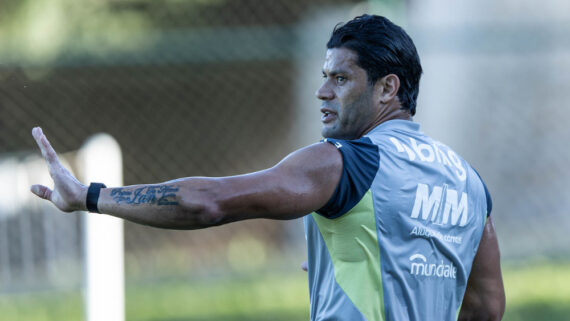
<point>152,194</point>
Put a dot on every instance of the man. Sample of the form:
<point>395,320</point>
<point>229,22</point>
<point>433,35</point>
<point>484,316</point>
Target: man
<point>401,227</point>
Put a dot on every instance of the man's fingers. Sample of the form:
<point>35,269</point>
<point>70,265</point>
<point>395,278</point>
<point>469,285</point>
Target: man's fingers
<point>47,151</point>
<point>41,191</point>
<point>44,145</point>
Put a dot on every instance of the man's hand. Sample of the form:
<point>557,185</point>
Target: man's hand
<point>68,193</point>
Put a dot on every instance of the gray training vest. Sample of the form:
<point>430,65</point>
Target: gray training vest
<point>397,239</point>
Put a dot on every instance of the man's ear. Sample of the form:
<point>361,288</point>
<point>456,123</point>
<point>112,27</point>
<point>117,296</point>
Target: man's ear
<point>387,88</point>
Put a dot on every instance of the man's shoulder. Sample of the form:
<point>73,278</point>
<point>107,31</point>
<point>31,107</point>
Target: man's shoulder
<point>360,159</point>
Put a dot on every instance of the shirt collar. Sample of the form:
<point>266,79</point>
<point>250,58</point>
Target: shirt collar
<point>396,124</point>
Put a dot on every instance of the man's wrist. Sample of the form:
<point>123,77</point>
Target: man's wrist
<point>83,198</point>
<point>92,199</point>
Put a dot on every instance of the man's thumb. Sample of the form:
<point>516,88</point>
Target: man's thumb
<point>41,191</point>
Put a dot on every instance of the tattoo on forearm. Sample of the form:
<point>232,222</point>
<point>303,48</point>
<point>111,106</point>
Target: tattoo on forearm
<point>152,194</point>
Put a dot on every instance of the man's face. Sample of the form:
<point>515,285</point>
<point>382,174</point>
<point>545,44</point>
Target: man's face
<point>347,108</point>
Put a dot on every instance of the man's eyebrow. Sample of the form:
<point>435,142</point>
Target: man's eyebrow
<point>335,72</point>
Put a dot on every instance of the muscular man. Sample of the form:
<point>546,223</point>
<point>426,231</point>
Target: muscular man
<point>400,226</point>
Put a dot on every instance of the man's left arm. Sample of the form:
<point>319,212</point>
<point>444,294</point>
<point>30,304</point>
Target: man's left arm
<point>301,183</point>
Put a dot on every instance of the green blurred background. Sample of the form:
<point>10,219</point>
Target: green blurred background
<point>223,87</point>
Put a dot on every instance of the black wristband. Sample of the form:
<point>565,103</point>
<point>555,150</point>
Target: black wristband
<point>93,196</point>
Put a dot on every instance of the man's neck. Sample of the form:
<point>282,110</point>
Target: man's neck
<point>390,114</point>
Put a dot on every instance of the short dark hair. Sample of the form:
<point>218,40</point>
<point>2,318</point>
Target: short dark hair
<point>382,48</point>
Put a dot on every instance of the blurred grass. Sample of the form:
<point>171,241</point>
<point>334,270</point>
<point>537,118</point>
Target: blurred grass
<point>263,297</point>
<point>45,306</point>
<point>539,291</point>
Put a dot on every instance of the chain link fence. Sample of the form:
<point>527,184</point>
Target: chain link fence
<point>187,88</point>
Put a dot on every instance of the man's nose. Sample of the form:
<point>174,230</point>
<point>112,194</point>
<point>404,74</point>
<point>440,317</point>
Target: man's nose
<point>324,93</point>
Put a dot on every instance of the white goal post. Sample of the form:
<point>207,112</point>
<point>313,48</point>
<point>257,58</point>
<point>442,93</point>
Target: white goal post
<point>100,160</point>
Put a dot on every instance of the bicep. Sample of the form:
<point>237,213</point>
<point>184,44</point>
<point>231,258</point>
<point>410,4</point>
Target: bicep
<point>301,183</point>
<point>485,292</point>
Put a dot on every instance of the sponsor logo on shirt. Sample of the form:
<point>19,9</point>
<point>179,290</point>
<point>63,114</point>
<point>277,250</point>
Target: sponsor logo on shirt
<point>419,266</point>
<point>435,152</point>
<point>421,231</point>
<point>442,206</point>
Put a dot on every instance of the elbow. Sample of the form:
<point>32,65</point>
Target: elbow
<point>481,316</point>
<point>491,311</point>
<point>197,215</point>
<point>494,313</point>
<point>499,310</point>
<point>496,307</point>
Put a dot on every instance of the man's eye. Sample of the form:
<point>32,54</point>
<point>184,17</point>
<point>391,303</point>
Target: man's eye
<point>340,79</point>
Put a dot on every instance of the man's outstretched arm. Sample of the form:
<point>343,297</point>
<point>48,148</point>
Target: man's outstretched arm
<point>484,297</point>
<point>301,183</point>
